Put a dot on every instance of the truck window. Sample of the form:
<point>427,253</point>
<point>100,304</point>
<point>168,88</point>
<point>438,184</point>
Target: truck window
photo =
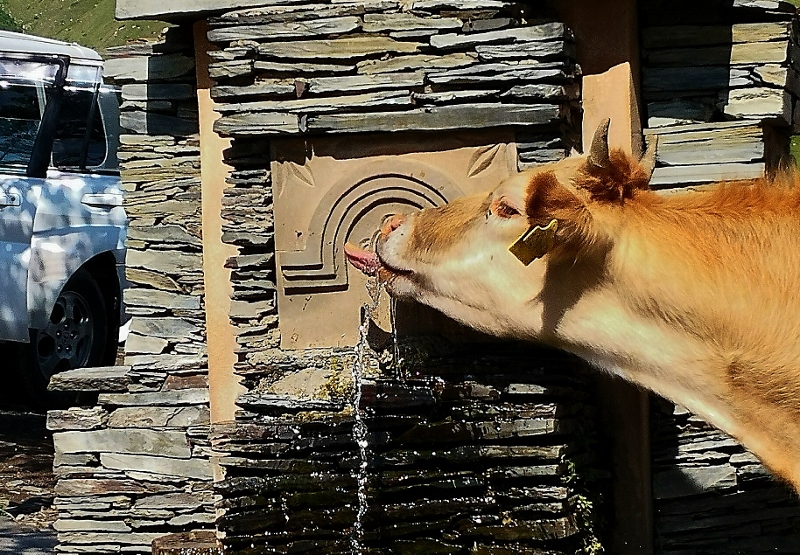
<point>20,116</point>
<point>80,140</point>
<point>23,85</point>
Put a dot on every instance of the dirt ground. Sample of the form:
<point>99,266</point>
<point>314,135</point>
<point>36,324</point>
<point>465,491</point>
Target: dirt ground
<point>26,469</point>
<point>26,463</point>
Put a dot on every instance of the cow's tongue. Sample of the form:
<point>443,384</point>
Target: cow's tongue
<point>362,259</point>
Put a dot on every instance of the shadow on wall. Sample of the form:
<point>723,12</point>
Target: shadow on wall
<point>711,495</point>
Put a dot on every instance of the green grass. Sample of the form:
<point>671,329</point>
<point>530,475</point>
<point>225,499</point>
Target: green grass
<point>87,22</point>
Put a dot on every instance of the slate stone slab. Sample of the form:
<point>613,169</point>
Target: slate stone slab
<point>469,116</point>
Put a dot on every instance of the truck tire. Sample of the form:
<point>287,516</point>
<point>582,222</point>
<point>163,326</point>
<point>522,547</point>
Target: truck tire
<point>81,332</point>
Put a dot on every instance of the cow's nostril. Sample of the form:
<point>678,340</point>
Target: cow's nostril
<point>390,223</point>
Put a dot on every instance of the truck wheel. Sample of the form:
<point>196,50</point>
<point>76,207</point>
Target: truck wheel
<point>79,333</point>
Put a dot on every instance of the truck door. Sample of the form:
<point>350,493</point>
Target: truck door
<point>26,83</point>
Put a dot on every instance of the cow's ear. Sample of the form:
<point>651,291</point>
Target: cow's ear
<point>610,176</point>
<point>547,198</point>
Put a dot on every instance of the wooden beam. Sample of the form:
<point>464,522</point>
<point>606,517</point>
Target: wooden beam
<point>220,334</point>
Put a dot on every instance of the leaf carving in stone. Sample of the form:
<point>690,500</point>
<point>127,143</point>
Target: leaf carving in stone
<point>481,159</point>
<point>296,171</point>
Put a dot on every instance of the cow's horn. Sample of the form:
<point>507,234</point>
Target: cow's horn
<point>598,152</point>
<point>648,161</point>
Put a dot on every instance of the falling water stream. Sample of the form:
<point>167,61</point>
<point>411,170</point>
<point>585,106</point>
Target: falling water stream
<point>374,288</point>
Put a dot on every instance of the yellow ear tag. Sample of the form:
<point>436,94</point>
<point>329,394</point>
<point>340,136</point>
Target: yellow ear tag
<point>535,243</point>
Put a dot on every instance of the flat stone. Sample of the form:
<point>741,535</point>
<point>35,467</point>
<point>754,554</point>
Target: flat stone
<point>230,69</point>
<point>142,344</point>
<point>248,310</point>
<point>169,398</point>
<point>383,22</point>
<point>748,53</point>
<point>713,78</point>
<point>436,118</point>
<point>148,68</point>
<point>167,362</point>
<point>416,61</point>
<point>104,378</point>
<point>257,123</point>
<point>287,30</point>
<point>71,525</point>
<point>546,31</point>
<point>160,299</point>
<point>524,50</point>
<point>686,481</point>
<point>677,36</point>
<point>384,98</point>
<point>261,88</point>
<point>157,91</point>
<point>492,73</point>
<point>167,328</point>
<point>400,80</point>
<point>337,49</point>
<point>300,68</point>
<point>165,261</point>
<point>705,173</point>
<point>149,123</point>
<point>759,103</point>
<point>153,279</point>
<point>95,486</point>
<point>196,543</point>
<point>128,538</point>
<point>195,469</point>
<point>182,501</point>
<point>159,417</point>
<point>132,441</point>
<point>76,418</point>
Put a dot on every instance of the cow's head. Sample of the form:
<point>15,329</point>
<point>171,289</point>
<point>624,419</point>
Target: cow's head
<point>495,261</point>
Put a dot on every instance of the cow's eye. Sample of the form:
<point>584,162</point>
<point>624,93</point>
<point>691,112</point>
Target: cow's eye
<point>505,210</point>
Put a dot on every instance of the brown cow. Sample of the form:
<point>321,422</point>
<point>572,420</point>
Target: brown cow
<point>693,295</point>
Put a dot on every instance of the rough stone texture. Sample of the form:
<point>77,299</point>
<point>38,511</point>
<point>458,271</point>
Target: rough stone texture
<point>702,65</point>
<point>455,461</point>
<point>430,67</point>
<point>136,467</point>
<point>711,496</point>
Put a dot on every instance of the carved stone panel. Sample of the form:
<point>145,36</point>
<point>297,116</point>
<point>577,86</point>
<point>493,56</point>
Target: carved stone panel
<point>332,190</point>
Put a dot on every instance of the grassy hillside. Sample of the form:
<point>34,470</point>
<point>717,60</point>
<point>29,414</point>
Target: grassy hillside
<point>87,22</point>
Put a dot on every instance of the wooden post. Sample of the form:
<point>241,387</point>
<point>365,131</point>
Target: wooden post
<point>220,334</point>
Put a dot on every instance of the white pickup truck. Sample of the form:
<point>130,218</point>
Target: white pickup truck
<point>62,223</point>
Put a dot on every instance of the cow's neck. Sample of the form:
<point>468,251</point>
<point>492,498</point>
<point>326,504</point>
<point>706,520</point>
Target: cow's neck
<point>638,320</point>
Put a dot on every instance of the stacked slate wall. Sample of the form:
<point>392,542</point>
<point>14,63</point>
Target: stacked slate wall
<point>720,90</point>
<point>719,87</point>
<point>135,466</point>
<point>490,453</point>
<point>712,496</point>
<point>503,479</point>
